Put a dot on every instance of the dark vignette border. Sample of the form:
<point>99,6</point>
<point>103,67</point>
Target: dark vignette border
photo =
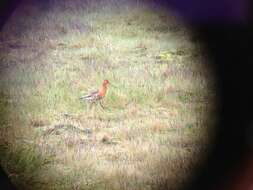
<point>225,27</point>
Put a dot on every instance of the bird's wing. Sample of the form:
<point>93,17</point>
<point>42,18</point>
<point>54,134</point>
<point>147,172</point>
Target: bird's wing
<point>91,94</point>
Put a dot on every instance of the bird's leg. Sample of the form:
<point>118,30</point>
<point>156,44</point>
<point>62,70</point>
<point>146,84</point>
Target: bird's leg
<point>100,103</point>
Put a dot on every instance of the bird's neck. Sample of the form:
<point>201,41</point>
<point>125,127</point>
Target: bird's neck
<point>102,90</point>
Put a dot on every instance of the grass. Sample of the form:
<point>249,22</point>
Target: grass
<point>158,116</point>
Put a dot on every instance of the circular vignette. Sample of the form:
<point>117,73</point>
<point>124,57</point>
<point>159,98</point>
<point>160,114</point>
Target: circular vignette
<point>160,112</point>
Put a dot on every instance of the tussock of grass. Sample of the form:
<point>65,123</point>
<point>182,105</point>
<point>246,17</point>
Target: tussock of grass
<point>156,113</point>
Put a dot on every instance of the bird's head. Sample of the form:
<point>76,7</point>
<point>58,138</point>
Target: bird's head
<point>106,83</point>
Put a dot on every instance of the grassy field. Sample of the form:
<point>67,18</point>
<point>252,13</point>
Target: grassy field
<point>158,120</point>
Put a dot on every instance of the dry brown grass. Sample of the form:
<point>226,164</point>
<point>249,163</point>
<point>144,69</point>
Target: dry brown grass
<point>155,117</point>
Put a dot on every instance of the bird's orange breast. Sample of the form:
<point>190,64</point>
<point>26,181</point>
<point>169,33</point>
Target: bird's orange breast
<point>102,91</point>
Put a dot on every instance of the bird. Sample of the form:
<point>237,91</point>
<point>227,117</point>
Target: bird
<point>98,95</point>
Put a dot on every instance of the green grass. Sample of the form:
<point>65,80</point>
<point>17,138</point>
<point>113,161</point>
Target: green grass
<point>157,116</point>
